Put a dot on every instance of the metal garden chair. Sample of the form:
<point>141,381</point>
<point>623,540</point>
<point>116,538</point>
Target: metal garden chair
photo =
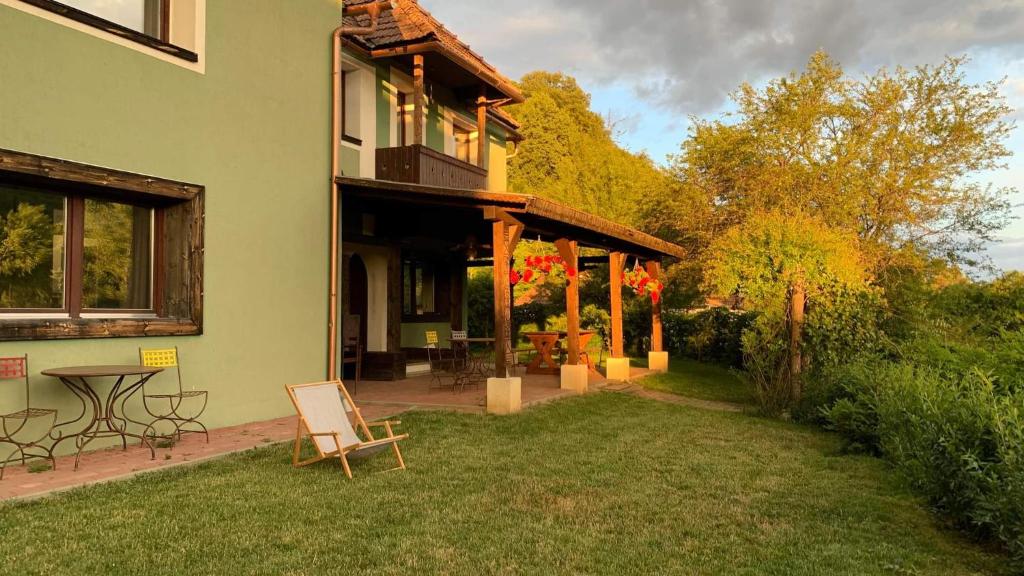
<point>444,368</point>
<point>168,358</point>
<point>14,423</point>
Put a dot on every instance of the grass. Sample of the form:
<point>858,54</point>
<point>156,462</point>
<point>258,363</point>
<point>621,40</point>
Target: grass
<point>688,377</point>
<point>601,484</point>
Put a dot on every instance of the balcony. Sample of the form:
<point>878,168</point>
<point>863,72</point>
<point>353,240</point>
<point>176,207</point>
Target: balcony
<point>418,164</point>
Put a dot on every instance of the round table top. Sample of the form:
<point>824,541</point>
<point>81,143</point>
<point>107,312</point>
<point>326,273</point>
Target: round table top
<point>100,371</point>
<point>472,340</point>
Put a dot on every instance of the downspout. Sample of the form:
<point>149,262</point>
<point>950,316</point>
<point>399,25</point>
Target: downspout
<point>374,11</point>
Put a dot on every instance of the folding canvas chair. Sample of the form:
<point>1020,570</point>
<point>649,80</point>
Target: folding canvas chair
<point>168,358</point>
<point>11,425</point>
<point>330,418</point>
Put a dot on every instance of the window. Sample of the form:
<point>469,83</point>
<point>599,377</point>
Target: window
<point>103,265</point>
<point>81,259</point>
<point>465,144</point>
<point>424,290</point>
<point>405,114</point>
<point>171,27</point>
<point>150,17</point>
<point>351,97</point>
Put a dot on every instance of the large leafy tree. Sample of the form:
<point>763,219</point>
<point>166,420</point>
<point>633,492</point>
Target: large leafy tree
<point>893,158</point>
<point>570,155</point>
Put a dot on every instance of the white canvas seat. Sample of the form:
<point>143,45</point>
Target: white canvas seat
<point>331,419</point>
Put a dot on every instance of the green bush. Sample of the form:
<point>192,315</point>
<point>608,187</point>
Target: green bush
<point>714,335</point>
<point>959,441</point>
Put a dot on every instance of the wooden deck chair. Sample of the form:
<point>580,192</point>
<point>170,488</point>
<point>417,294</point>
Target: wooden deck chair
<point>330,418</point>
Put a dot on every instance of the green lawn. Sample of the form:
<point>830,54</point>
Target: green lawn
<point>602,484</point>
<point>704,381</point>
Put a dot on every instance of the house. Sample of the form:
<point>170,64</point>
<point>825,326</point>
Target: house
<point>214,176</point>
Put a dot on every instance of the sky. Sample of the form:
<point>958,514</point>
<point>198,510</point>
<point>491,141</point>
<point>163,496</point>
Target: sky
<point>651,65</point>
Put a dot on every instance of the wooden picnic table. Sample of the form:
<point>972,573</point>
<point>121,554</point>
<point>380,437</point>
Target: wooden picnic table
<point>107,418</point>
<point>544,342</point>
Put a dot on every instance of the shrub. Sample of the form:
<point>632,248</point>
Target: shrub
<point>958,440</point>
<point>713,335</point>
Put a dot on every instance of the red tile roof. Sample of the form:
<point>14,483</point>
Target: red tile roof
<point>409,23</point>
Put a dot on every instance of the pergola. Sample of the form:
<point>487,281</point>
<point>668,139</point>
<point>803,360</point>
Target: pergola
<point>505,218</point>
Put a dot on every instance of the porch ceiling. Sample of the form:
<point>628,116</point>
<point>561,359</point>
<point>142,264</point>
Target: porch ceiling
<point>541,217</point>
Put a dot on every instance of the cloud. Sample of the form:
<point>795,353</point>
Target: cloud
<point>1007,254</point>
<point>688,55</point>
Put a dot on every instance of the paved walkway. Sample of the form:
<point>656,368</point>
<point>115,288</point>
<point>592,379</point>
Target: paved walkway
<point>114,463</point>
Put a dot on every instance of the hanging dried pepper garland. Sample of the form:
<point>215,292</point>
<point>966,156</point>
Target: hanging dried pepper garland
<point>537,268</point>
<point>642,284</point>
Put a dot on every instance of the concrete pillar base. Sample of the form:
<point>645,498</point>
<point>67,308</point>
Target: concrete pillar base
<point>504,395</point>
<point>618,369</point>
<point>575,378</point>
<point>657,361</point>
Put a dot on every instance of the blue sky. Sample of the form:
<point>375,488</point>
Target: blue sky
<point>650,65</point>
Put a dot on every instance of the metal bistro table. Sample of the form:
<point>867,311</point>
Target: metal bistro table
<point>107,419</point>
<point>476,363</point>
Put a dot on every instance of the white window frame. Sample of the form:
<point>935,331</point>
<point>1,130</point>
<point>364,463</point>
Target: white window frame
<point>187,30</point>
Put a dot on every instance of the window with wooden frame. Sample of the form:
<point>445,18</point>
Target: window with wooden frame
<point>425,290</point>
<point>465,137</point>
<point>90,252</point>
<point>405,109</point>
<point>146,22</point>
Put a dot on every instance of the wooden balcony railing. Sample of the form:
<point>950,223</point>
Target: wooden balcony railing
<point>418,164</point>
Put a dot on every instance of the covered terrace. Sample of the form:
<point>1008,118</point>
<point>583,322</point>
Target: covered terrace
<point>390,225</point>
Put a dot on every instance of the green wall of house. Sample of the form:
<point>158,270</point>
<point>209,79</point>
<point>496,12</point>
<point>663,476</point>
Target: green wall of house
<point>254,130</point>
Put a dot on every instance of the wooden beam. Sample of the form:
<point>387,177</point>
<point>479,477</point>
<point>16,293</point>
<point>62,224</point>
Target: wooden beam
<point>616,262</point>
<point>417,89</point>
<point>481,126</point>
<point>502,303</point>
<point>569,251</point>
<point>654,271</point>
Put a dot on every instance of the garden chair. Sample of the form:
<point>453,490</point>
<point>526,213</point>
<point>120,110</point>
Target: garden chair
<point>14,423</point>
<point>331,419</point>
<point>168,358</point>
<point>460,346</point>
<point>352,346</point>
<point>444,367</point>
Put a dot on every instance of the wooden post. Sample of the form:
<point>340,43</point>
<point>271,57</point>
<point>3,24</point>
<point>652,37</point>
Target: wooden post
<point>569,252</point>
<point>616,261</point>
<point>506,232</point>
<point>481,126</point>
<point>654,271</point>
<point>797,303</point>
<point>417,110</point>
<point>502,312</point>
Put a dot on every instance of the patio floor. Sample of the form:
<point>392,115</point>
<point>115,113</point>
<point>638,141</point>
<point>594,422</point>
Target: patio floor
<point>377,400</point>
<point>417,392</point>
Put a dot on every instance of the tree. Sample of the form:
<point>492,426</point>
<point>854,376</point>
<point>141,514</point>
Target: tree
<point>777,263</point>
<point>891,158</point>
<point>570,155</point>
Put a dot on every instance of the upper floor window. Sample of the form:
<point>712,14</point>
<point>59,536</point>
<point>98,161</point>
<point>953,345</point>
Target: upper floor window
<point>150,17</point>
<point>465,141</point>
<point>405,110</point>
<point>168,27</point>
